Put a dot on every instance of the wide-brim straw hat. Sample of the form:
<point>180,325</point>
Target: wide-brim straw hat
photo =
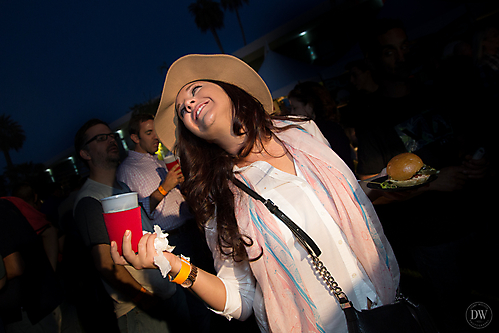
<point>195,67</point>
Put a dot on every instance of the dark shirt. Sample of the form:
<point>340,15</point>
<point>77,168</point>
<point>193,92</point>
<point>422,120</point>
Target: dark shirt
<point>90,222</point>
<point>40,291</point>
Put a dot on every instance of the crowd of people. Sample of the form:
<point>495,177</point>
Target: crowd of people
<point>313,160</point>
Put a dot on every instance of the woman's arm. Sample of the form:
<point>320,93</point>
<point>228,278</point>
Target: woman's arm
<point>207,286</point>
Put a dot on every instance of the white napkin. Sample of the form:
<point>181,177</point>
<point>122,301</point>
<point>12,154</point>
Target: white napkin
<point>161,244</point>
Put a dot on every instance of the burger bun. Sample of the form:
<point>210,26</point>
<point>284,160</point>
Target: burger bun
<point>403,167</point>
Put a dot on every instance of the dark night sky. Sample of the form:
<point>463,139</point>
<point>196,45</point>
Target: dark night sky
<point>64,62</point>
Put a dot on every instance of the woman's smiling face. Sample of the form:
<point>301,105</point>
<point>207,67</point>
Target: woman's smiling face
<point>205,109</point>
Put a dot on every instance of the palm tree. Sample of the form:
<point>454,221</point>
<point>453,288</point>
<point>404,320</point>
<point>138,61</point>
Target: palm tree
<point>11,137</point>
<point>233,6</point>
<point>208,16</point>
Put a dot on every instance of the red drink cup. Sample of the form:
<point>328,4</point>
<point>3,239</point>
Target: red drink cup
<point>119,222</point>
<point>171,162</point>
<point>121,213</point>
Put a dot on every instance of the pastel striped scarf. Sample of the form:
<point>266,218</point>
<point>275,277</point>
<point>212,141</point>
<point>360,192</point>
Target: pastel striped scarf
<point>287,303</point>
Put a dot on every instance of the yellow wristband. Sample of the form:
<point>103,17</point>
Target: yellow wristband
<point>162,191</point>
<point>184,272</point>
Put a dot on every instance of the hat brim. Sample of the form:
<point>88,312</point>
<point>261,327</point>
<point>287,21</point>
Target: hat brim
<point>195,67</point>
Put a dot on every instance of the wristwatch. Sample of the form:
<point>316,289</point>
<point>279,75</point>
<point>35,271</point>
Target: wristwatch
<point>191,278</point>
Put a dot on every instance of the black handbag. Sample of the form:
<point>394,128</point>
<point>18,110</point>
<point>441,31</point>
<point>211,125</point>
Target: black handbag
<point>403,315</point>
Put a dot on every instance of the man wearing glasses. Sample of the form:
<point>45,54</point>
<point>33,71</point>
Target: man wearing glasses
<point>97,146</point>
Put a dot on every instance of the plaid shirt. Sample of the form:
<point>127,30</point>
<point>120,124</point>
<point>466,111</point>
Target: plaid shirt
<point>143,173</point>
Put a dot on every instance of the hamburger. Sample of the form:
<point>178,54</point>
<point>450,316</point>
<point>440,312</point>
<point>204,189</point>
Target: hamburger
<point>406,170</point>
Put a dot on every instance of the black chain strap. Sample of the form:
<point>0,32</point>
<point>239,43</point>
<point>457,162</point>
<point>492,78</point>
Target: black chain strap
<point>333,286</point>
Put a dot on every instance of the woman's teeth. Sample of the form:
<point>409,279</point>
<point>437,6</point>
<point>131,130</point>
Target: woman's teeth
<point>199,110</point>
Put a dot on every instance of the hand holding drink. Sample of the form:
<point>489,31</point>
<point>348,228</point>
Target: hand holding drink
<point>171,162</point>
<point>121,213</point>
<point>174,176</point>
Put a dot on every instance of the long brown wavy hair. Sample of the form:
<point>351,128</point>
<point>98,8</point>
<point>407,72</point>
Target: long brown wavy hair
<point>208,169</point>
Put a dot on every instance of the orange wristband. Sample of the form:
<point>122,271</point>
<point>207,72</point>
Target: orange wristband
<point>184,272</point>
<point>162,191</point>
<point>139,295</point>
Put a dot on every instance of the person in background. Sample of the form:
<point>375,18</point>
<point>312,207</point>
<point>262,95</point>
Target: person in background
<point>221,107</point>
<point>158,191</point>
<point>486,55</point>
<point>361,77</point>
<point>429,230</point>
<point>25,199</point>
<point>158,188</point>
<point>145,174</point>
<point>143,301</point>
<point>30,299</point>
<point>87,307</point>
<point>313,101</point>
<point>362,86</point>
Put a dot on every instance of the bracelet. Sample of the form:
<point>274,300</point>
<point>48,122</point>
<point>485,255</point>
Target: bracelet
<point>184,272</point>
<point>191,278</point>
<point>139,295</point>
<point>162,191</point>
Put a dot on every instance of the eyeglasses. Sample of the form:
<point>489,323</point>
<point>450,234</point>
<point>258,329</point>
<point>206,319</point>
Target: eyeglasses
<point>103,137</point>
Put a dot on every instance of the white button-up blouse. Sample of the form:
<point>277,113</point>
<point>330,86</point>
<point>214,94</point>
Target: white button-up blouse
<point>296,198</point>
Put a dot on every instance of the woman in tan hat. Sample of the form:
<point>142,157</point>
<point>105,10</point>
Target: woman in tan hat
<point>215,114</point>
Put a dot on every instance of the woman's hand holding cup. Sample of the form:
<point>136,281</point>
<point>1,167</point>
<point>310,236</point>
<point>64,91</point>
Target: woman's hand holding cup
<point>144,258</point>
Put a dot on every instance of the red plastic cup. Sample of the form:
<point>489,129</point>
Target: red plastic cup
<point>119,222</point>
<point>121,213</point>
<point>171,162</point>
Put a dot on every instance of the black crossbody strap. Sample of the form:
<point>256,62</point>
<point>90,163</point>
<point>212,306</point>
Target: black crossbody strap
<point>298,232</point>
<point>307,242</point>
